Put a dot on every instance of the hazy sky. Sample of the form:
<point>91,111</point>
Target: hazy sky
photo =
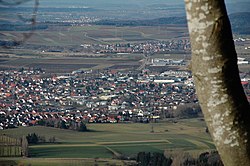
<point>92,3</point>
<point>55,3</point>
<point>142,5</point>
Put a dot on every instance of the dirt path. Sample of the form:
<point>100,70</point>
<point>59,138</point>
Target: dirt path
<point>100,143</point>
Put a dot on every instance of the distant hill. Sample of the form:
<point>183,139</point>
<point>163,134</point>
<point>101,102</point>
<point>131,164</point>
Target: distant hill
<point>235,6</point>
<point>240,22</point>
<point>150,22</point>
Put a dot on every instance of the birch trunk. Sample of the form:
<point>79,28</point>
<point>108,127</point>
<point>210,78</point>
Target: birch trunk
<point>217,81</point>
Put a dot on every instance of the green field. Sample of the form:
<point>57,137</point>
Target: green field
<point>61,162</point>
<point>107,140</point>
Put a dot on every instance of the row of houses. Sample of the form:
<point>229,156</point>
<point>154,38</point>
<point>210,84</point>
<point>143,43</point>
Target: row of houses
<point>148,47</point>
<point>105,97</point>
<point>28,97</point>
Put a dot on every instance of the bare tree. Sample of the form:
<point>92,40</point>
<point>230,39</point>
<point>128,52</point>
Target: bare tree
<point>24,144</point>
<point>217,81</point>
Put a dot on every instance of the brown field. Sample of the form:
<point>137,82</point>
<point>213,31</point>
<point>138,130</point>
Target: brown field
<point>60,68</point>
<point>75,36</point>
<point>60,62</point>
<point>131,67</point>
<point>68,64</point>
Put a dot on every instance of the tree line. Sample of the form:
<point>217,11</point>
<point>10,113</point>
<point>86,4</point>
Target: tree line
<point>34,138</point>
<point>63,124</point>
<point>159,159</point>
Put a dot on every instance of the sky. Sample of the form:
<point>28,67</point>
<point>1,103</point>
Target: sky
<point>102,3</point>
<point>233,6</point>
<point>60,3</point>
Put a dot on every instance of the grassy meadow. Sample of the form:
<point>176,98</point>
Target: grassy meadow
<point>107,140</point>
<point>61,162</point>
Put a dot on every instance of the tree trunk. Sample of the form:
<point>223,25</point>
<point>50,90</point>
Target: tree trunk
<point>217,81</point>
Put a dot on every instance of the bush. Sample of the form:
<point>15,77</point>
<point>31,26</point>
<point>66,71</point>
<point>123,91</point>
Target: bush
<point>32,138</point>
<point>188,111</point>
<point>155,159</point>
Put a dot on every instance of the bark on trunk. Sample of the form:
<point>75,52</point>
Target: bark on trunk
<point>217,81</point>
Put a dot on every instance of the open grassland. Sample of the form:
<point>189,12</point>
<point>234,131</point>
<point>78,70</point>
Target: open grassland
<point>105,140</point>
<point>94,34</point>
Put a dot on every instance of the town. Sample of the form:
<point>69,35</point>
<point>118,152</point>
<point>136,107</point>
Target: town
<point>31,97</point>
<point>116,82</point>
<point>146,47</point>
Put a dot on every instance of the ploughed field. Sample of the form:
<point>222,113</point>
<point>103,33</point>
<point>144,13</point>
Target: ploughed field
<point>54,64</point>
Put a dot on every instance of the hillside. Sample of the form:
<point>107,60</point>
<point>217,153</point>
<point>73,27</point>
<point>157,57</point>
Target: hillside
<point>240,22</point>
